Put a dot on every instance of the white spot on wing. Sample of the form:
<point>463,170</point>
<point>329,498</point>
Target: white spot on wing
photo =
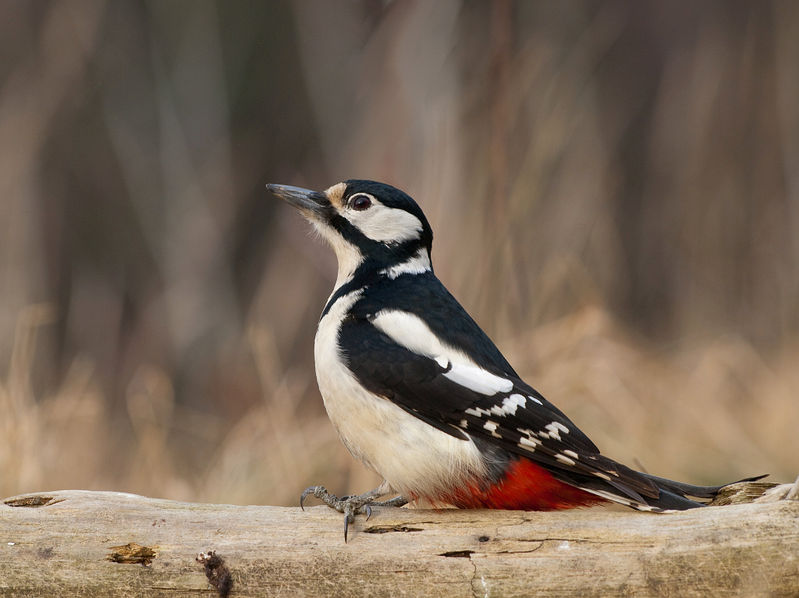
<point>565,459</point>
<point>492,427</point>
<point>532,398</point>
<point>554,429</point>
<point>571,454</point>
<point>509,405</point>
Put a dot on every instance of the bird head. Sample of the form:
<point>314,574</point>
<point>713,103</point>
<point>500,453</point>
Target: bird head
<point>371,226</point>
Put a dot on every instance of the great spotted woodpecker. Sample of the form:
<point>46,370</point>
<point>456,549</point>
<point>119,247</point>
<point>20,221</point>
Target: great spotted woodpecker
<point>421,395</point>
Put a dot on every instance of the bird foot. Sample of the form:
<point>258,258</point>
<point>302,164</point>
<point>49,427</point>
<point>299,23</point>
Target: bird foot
<point>351,506</point>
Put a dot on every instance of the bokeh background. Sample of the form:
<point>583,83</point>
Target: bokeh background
<point>614,187</point>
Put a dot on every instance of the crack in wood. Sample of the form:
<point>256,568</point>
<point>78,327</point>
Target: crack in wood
<point>384,529</point>
<point>33,501</point>
<point>458,553</point>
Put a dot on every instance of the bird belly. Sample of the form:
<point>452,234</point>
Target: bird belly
<point>415,458</point>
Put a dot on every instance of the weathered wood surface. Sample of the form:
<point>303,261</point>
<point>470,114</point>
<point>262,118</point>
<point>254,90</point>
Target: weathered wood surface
<point>70,543</point>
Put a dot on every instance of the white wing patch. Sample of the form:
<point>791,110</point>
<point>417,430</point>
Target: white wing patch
<point>411,332</point>
<point>477,379</point>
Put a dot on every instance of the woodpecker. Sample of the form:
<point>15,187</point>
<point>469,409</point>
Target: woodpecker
<point>421,395</point>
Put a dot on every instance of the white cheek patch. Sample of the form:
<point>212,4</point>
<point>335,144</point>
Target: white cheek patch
<point>384,224</point>
<point>411,332</point>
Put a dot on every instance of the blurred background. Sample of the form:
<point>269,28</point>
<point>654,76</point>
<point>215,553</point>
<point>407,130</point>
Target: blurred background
<point>614,188</point>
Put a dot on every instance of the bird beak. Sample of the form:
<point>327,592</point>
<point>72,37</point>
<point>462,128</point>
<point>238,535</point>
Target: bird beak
<point>310,203</point>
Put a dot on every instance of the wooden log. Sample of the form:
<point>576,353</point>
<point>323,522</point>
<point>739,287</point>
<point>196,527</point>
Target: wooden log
<point>70,543</point>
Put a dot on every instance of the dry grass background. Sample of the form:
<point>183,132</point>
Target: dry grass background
<point>614,188</point>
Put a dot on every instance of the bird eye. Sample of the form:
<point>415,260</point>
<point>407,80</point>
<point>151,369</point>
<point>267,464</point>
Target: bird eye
<point>360,202</point>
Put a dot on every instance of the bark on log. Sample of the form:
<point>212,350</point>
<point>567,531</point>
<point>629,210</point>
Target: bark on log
<point>84,543</point>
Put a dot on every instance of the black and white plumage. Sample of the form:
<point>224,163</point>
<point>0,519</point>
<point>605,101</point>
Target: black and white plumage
<point>421,395</point>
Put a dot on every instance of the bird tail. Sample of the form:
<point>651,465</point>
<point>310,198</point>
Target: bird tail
<point>678,496</point>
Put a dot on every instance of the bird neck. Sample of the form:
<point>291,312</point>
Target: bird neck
<point>357,272</point>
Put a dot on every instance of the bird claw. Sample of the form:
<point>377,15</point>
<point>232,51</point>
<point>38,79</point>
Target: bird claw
<point>350,506</point>
<point>319,492</point>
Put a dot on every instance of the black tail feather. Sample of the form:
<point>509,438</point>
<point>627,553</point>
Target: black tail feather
<point>674,495</point>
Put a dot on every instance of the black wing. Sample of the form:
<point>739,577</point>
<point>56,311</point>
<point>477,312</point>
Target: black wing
<point>424,296</point>
<point>516,418</point>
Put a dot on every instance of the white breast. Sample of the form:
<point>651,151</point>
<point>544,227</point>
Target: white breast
<point>413,456</point>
